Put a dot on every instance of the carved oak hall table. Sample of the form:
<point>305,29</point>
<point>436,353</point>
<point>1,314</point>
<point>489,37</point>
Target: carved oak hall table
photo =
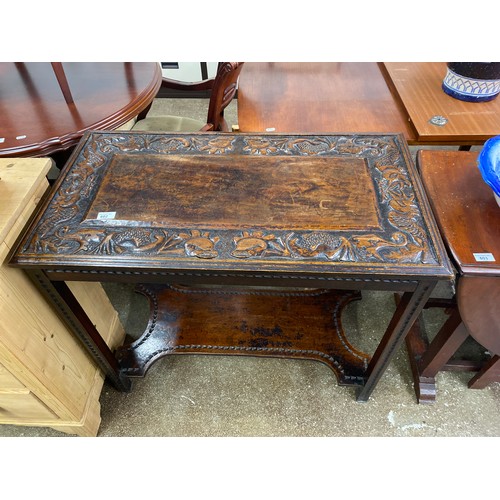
<point>243,244</point>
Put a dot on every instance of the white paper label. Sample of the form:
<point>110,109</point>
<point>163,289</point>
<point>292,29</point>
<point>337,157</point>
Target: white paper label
<point>484,257</point>
<point>106,215</point>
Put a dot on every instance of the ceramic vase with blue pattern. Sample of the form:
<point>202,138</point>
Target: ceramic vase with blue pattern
<point>472,81</point>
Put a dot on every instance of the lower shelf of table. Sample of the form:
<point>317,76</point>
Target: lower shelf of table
<point>303,324</point>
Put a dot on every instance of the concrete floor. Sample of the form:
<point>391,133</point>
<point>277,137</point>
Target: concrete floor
<point>196,395</point>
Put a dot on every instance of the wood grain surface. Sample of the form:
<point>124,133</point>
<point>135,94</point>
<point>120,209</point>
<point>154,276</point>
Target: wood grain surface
<point>38,120</point>
<point>419,88</point>
<point>465,208</point>
<point>317,98</point>
<point>307,193</point>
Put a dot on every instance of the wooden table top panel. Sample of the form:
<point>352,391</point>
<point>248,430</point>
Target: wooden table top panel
<point>341,97</point>
<point>240,194</point>
<point>80,226</point>
<point>37,120</point>
<point>419,88</point>
<point>464,206</point>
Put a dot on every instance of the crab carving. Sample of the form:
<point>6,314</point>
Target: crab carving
<point>256,244</point>
<point>199,244</point>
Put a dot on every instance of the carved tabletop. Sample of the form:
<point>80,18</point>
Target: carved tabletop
<point>331,212</point>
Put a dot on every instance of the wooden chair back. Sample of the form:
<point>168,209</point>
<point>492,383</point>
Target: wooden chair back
<point>223,91</point>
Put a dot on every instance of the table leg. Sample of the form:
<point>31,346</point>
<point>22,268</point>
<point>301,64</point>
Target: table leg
<point>63,81</point>
<point>407,311</point>
<point>70,311</point>
<point>427,359</point>
<point>449,338</point>
<point>489,373</point>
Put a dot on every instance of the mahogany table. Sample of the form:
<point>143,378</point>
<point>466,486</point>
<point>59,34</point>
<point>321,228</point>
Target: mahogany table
<point>437,117</point>
<point>361,97</point>
<point>45,110</point>
<point>243,244</point>
<point>469,221</point>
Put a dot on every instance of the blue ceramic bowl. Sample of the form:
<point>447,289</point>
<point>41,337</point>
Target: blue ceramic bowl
<point>488,162</point>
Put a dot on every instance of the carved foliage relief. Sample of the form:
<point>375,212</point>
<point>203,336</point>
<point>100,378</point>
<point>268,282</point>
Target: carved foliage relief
<point>64,230</point>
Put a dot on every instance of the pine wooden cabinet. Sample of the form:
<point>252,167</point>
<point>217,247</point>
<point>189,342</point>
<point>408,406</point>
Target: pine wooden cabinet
<point>46,377</point>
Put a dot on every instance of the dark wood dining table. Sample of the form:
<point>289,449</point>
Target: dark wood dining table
<point>45,108</point>
<point>361,97</point>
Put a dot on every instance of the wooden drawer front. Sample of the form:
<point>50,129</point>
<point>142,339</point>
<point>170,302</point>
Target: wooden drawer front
<point>19,407</point>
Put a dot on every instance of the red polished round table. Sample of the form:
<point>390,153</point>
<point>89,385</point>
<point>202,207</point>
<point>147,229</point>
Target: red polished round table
<point>45,108</point>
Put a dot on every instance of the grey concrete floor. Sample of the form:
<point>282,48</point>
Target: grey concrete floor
<point>196,395</point>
